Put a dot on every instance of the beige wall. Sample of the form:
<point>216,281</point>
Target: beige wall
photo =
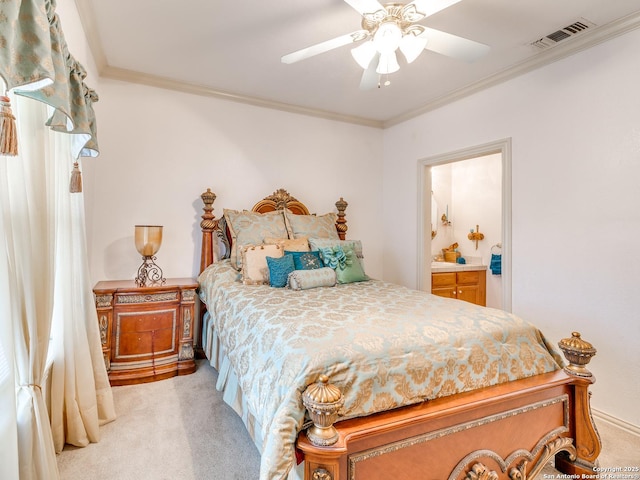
<point>575,131</point>
<point>160,150</point>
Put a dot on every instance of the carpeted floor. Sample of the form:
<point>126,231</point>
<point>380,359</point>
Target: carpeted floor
<point>181,429</point>
<point>178,428</point>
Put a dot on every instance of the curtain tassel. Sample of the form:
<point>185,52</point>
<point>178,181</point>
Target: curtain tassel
<point>75,185</point>
<point>8,132</point>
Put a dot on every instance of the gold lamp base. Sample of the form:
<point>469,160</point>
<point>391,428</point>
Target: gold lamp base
<point>149,274</point>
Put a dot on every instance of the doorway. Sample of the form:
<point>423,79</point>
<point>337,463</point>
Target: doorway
<point>426,209</point>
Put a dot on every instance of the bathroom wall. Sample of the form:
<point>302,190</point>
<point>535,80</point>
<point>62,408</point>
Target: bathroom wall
<point>441,183</point>
<point>471,191</point>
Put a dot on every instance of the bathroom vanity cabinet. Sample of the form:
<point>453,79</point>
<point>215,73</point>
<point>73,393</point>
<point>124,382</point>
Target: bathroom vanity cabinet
<point>467,285</point>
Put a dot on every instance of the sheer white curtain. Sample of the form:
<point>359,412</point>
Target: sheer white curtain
<point>8,427</point>
<point>28,232</point>
<point>80,394</point>
<point>45,281</point>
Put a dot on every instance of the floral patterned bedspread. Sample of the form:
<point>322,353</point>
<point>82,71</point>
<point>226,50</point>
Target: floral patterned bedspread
<point>384,345</point>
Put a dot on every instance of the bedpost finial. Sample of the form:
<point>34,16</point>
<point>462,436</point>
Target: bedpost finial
<point>323,400</point>
<point>208,197</point>
<point>208,223</point>
<point>341,223</point>
<point>578,352</point>
<point>341,205</point>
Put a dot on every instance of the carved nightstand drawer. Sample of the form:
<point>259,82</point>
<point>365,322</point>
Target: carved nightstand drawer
<point>147,332</point>
<point>141,298</point>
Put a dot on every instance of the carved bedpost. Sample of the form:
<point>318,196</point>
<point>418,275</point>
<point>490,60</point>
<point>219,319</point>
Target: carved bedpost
<point>588,445</point>
<point>208,225</point>
<point>323,400</point>
<point>341,223</point>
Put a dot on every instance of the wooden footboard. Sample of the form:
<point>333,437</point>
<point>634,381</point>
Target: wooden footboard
<point>509,431</point>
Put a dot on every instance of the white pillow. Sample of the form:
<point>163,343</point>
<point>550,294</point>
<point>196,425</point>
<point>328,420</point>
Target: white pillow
<point>317,277</point>
<point>290,244</point>
<point>255,270</point>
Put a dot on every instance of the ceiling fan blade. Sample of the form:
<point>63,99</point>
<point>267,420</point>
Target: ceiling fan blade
<point>323,47</point>
<point>429,7</point>
<point>454,46</point>
<point>365,6</point>
<point>370,78</point>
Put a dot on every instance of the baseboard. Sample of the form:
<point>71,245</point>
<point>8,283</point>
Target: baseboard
<point>616,422</point>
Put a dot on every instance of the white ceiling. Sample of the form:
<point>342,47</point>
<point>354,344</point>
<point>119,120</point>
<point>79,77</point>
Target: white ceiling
<point>232,50</point>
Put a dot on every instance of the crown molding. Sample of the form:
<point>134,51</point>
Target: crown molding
<point>577,44</point>
<point>558,52</point>
<point>132,76</point>
<point>105,70</point>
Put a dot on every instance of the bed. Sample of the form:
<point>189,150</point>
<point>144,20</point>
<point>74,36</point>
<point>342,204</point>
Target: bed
<point>355,378</point>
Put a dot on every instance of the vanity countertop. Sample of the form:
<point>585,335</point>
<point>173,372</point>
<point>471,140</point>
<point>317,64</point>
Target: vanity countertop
<point>443,267</point>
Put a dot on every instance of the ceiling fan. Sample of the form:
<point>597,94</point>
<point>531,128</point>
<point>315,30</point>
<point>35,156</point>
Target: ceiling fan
<point>387,28</point>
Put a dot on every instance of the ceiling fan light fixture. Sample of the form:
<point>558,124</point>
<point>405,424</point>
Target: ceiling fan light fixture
<point>387,37</point>
<point>388,63</point>
<point>363,54</point>
<point>412,46</point>
<point>385,29</point>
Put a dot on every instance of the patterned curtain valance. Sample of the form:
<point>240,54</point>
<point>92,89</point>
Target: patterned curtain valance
<point>35,62</point>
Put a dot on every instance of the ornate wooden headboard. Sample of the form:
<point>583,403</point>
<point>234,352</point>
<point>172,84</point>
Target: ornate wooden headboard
<point>279,200</point>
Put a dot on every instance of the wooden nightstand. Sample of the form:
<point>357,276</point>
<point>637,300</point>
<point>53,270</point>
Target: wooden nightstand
<point>146,332</point>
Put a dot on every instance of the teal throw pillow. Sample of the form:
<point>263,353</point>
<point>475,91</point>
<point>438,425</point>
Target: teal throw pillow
<point>306,260</point>
<point>279,270</point>
<point>344,261</point>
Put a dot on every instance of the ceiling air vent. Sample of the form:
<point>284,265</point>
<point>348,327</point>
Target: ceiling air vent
<point>562,34</point>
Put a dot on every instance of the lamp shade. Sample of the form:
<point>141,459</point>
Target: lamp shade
<point>387,38</point>
<point>148,239</point>
<point>363,54</point>
<point>388,63</point>
<point>412,45</point>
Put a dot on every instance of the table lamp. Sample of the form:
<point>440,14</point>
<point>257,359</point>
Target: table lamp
<point>148,240</point>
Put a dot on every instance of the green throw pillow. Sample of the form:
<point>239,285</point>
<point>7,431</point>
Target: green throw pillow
<point>344,261</point>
